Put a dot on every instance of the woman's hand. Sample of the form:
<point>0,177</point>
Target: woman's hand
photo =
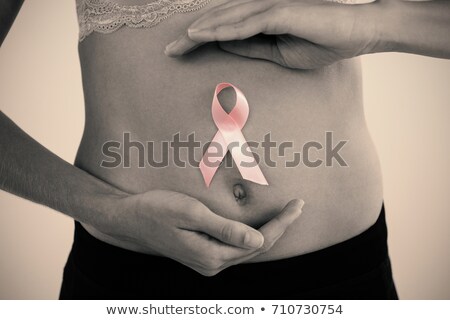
<point>182,228</point>
<point>300,34</point>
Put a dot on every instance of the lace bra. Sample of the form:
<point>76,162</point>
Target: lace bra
<point>106,16</point>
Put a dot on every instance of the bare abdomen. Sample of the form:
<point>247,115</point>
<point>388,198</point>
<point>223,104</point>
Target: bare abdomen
<point>135,89</point>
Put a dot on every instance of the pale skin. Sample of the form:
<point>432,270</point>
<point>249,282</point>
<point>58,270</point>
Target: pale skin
<point>174,224</point>
<point>171,224</point>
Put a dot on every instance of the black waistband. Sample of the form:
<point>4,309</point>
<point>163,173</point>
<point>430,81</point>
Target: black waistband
<point>123,270</point>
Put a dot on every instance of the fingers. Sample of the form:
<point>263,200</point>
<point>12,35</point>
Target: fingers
<point>327,24</point>
<point>271,231</point>
<point>314,21</point>
<point>258,47</point>
<point>209,27</point>
<point>230,232</point>
<point>284,50</point>
<point>213,12</point>
<point>207,255</point>
<point>194,38</point>
<point>234,31</point>
<point>182,45</point>
<point>212,256</point>
<point>223,256</point>
<point>241,235</point>
<point>224,15</point>
<point>276,227</point>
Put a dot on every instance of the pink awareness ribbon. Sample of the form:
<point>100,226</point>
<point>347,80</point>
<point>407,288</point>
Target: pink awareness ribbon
<point>229,132</point>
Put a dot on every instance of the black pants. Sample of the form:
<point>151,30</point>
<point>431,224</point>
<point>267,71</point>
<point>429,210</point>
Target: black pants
<point>358,268</point>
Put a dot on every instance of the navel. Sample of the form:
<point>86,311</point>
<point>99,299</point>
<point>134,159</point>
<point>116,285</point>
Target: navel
<point>240,194</point>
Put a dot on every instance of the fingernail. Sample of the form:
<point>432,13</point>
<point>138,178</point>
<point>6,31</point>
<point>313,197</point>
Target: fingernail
<point>253,239</point>
<point>299,203</point>
<point>193,30</point>
<point>169,47</point>
<point>197,32</point>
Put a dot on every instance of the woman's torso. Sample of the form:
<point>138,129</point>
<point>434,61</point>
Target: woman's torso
<point>132,87</point>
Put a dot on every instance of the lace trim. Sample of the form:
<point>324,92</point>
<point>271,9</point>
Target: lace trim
<point>106,17</point>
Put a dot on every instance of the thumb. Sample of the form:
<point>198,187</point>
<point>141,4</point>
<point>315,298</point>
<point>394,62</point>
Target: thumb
<point>258,47</point>
<point>231,232</point>
<point>276,227</point>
